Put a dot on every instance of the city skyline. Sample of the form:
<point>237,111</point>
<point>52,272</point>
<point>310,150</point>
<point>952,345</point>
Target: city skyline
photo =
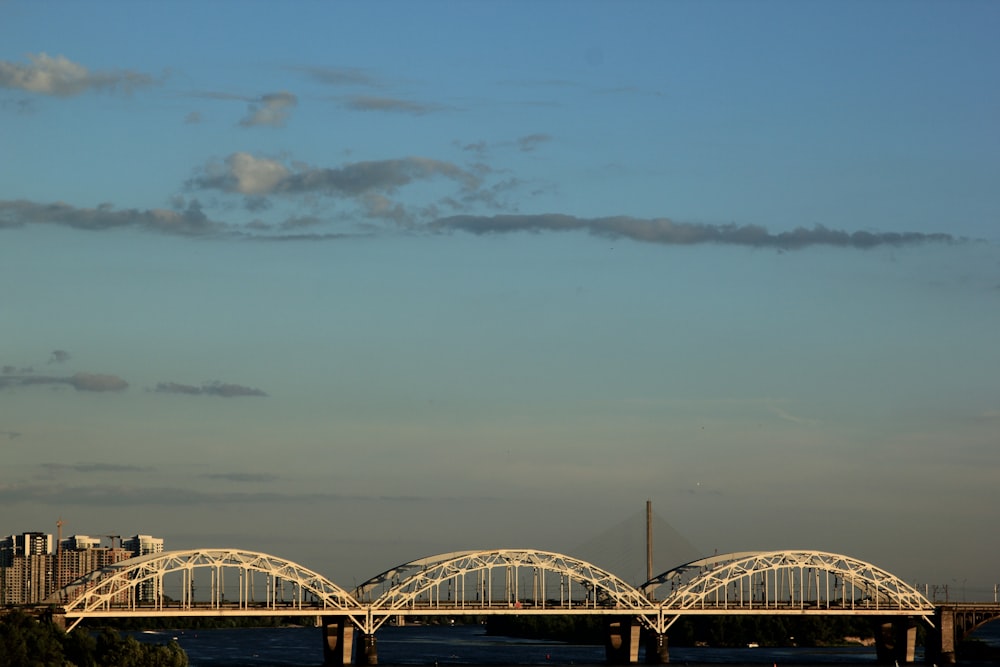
<point>354,284</point>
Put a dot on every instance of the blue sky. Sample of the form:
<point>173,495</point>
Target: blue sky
<point>356,283</point>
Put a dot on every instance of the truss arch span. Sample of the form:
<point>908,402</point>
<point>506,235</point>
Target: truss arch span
<point>195,579</point>
<point>498,579</point>
<point>789,581</point>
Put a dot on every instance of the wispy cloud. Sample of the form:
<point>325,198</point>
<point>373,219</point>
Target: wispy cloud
<point>389,105</point>
<point>59,357</point>
<point>242,476</point>
<point>338,76</point>
<point>223,389</point>
<point>248,174</point>
<point>189,222</point>
<point>270,110</point>
<point>61,77</point>
<point>667,232</point>
<point>93,467</point>
<point>532,141</point>
<point>80,381</point>
<point>105,495</point>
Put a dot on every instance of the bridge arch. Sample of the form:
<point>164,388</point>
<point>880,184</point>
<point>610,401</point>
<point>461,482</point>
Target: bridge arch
<point>785,581</point>
<point>167,581</point>
<point>498,579</point>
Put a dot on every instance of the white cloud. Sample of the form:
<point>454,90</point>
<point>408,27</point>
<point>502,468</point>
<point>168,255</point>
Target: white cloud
<point>255,175</point>
<point>59,76</point>
<point>272,109</point>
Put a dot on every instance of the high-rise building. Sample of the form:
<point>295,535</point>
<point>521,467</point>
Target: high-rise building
<point>143,545</point>
<point>30,572</point>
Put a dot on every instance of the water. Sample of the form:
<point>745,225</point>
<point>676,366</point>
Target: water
<point>469,645</point>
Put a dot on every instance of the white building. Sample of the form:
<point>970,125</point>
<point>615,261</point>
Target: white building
<point>142,545</point>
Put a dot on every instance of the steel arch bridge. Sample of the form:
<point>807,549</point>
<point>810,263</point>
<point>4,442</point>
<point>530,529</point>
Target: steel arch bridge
<point>782,582</point>
<point>497,581</point>
<point>216,582</point>
<point>141,586</point>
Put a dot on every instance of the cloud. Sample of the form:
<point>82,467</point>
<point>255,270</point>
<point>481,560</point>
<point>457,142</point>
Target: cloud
<point>338,76</point>
<point>271,110</point>
<point>389,105</point>
<point>242,477</point>
<point>10,434</point>
<point>115,495</point>
<point>59,76</point>
<point>247,174</point>
<point>189,222</point>
<point>80,381</point>
<point>193,118</point>
<point>59,356</point>
<point>223,389</point>
<point>668,232</point>
<point>532,141</point>
<point>93,467</point>
<point>97,382</point>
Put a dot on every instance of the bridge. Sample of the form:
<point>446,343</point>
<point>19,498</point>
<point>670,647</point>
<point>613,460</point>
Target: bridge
<point>232,582</point>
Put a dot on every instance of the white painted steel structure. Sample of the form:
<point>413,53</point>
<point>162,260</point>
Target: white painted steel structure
<point>499,581</point>
<point>258,585</point>
<point>783,582</point>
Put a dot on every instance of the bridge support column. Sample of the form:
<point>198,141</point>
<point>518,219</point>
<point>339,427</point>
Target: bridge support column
<point>338,640</point>
<point>895,640</point>
<point>657,651</point>
<point>367,650</point>
<point>940,649</point>
<point>621,645</point>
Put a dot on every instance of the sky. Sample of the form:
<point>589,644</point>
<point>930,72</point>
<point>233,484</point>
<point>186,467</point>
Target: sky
<point>358,283</point>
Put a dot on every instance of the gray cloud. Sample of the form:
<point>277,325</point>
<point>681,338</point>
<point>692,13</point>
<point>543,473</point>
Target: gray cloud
<point>247,174</point>
<point>242,477</point>
<point>97,382</point>
<point>193,118</point>
<point>93,467</point>
<point>667,232</point>
<point>105,495</point>
<point>59,76</point>
<point>223,389</point>
<point>338,76</point>
<point>10,434</point>
<point>532,141</point>
<point>270,110</point>
<point>189,222</point>
<point>59,356</point>
<point>80,381</point>
<point>389,105</point>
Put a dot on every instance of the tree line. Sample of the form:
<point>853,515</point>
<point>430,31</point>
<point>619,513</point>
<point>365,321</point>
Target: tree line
<point>26,641</point>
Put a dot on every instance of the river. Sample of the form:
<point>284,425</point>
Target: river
<point>469,645</point>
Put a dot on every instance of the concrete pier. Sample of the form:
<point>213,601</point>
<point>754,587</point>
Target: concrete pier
<point>367,650</point>
<point>895,640</point>
<point>622,642</point>
<point>657,651</point>
<point>338,640</point>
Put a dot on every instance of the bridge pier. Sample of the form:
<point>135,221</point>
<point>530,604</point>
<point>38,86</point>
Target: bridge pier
<point>657,651</point>
<point>367,650</point>
<point>940,648</point>
<point>338,640</point>
<point>895,640</point>
<point>621,646</point>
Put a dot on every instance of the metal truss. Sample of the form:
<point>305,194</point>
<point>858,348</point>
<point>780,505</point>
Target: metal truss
<point>258,584</point>
<point>498,581</point>
<point>788,582</point>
